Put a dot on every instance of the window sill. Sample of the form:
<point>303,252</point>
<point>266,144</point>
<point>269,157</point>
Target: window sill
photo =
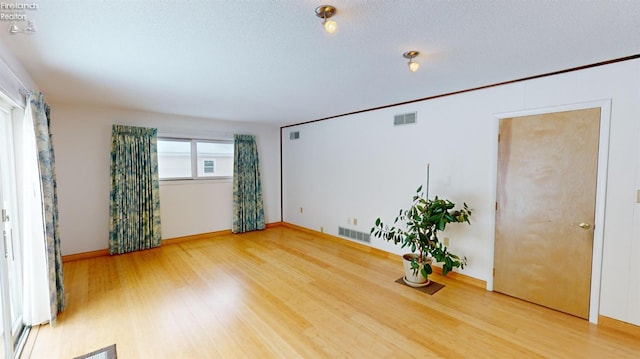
<point>199,181</point>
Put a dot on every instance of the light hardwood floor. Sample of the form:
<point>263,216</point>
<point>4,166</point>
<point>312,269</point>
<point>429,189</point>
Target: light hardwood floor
<point>284,293</point>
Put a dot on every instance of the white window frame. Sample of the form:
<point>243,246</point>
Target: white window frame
<point>194,158</point>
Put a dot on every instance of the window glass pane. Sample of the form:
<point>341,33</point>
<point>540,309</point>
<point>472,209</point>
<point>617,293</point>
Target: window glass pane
<point>215,159</point>
<point>174,159</point>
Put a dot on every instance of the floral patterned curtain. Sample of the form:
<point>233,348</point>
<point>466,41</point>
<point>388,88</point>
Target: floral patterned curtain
<point>135,190</point>
<point>46,160</point>
<point>248,210</point>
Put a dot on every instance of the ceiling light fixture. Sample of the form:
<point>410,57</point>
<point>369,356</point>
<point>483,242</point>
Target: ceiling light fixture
<point>413,66</point>
<point>325,12</point>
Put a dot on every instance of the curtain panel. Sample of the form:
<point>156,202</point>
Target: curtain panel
<point>248,210</point>
<point>46,160</point>
<point>135,190</point>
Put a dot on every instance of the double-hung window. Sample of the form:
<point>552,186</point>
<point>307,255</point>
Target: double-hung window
<point>180,159</point>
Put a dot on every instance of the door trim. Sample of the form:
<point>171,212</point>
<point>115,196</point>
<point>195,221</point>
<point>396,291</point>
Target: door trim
<point>601,187</point>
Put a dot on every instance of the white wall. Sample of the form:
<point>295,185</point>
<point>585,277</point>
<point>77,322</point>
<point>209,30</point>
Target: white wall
<point>360,166</point>
<point>82,143</point>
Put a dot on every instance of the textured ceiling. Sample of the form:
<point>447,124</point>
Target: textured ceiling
<point>271,61</point>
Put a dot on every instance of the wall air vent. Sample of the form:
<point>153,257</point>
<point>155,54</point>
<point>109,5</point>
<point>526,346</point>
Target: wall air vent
<point>358,236</point>
<point>294,135</point>
<point>405,119</point>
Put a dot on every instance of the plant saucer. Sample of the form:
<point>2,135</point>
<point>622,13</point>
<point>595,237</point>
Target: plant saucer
<point>415,285</point>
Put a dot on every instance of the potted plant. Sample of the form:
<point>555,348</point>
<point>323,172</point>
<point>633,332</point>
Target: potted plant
<point>417,228</point>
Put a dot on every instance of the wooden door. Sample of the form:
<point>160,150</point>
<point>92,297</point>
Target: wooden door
<point>545,210</point>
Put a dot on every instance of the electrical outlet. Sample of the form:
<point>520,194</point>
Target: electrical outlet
<point>301,210</point>
<point>355,221</point>
<point>321,229</point>
<point>445,240</point>
<point>638,196</point>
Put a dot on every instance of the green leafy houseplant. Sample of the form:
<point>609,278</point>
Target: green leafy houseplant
<point>422,222</point>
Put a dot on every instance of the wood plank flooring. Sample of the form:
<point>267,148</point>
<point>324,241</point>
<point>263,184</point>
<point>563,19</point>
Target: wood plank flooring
<point>284,293</point>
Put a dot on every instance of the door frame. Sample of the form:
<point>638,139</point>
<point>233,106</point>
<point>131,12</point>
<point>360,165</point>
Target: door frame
<point>601,187</point>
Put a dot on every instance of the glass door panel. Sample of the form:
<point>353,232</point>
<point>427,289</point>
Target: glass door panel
<point>6,341</point>
<point>11,245</point>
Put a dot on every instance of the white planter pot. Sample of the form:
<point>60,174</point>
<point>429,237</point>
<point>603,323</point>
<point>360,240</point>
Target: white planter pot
<point>409,277</point>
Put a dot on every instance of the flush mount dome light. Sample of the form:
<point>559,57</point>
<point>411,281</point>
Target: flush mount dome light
<point>413,66</point>
<point>325,12</point>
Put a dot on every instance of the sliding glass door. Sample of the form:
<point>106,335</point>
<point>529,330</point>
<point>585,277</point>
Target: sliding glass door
<point>5,315</point>
<point>11,288</point>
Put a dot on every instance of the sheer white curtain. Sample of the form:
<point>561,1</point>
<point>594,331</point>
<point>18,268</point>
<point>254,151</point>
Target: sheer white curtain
<point>36,284</point>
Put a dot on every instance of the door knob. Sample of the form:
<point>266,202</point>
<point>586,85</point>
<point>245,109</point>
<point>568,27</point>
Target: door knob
<point>584,225</point>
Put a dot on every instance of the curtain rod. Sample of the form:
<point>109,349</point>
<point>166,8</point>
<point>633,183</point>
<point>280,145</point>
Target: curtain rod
<point>25,92</point>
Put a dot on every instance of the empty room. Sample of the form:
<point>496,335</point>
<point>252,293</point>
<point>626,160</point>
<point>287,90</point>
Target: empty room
<point>311,179</point>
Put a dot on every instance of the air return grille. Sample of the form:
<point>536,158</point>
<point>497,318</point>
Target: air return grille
<point>294,135</point>
<point>358,236</point>
<point>405,119</point>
